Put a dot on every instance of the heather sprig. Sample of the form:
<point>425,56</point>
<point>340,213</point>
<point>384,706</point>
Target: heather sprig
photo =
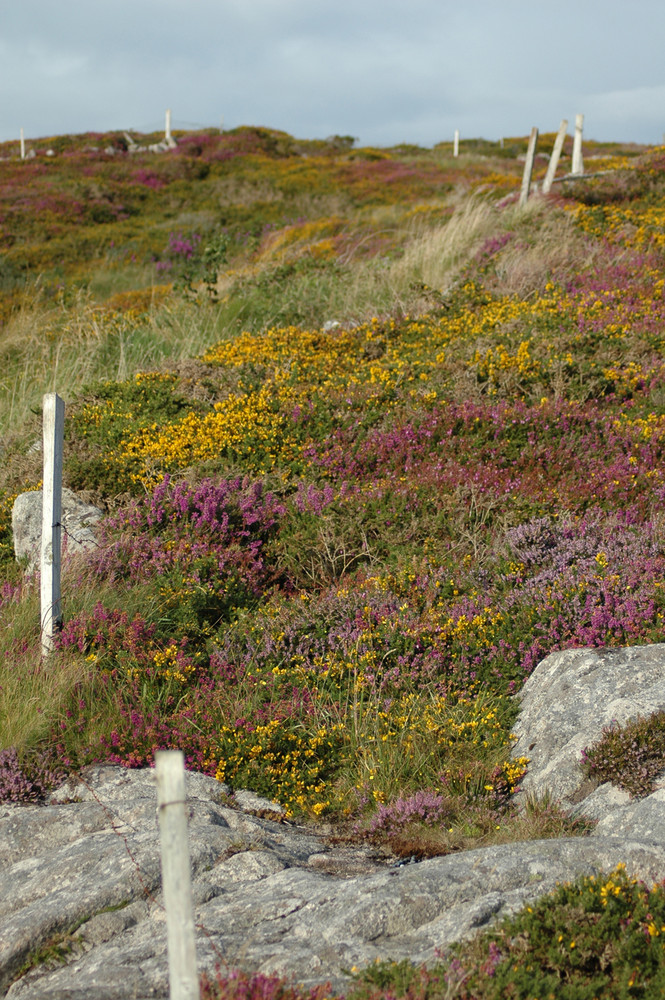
<point>631,756</point>
<point>26,781</point>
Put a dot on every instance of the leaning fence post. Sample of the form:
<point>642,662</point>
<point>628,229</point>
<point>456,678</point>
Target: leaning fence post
<point>176,878</point>
<point>528,166</point>
<point>53,438</point>
<point>577,166</point>
<point>556,153</point>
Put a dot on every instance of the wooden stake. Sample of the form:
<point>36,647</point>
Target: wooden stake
<point>556,153</point>
<point>528,166</point>
<point>53,438</point>
<point>168,142</point>
<point>22,141</point>
<point>577,166</point>
<point>176,877</point>
<point>456,143</point>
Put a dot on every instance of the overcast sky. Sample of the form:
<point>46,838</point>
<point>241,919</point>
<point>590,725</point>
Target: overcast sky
<point>385,71</point>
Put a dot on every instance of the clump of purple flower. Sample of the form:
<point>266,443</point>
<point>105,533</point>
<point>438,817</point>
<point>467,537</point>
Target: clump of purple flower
<point>425,807</point>
<point>25,782</point>
<point>227,521</point>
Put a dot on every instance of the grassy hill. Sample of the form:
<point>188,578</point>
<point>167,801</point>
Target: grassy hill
<point>371,440</point>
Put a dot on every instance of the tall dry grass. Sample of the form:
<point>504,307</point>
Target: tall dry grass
<point>48,348</point>
<point>435,256</point>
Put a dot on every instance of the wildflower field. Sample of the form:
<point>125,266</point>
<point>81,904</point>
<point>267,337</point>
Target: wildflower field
<point>371,442</point>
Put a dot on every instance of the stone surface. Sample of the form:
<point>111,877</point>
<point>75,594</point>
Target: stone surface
<point>274,897</point>
<point>251,802</point>
<point>568,700</point>
<point>78,519</point>
<point>269,896</point>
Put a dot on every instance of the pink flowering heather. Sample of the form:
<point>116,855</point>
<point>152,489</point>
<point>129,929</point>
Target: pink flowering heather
<point>178,525</point>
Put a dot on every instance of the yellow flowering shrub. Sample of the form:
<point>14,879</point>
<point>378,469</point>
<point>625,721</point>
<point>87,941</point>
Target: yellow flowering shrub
<point>284,761</point>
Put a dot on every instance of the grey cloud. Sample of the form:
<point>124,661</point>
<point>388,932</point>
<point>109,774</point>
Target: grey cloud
<point>384,70</point>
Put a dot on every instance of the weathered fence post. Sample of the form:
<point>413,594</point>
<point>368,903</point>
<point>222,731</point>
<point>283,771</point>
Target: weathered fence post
<point>176,878</point>
<point>528,166</point>
<point>168,138</point>
<point>456,143</point>
<point>556,153</point>
<point>577,166</point>
<point>22,144</point>
<point>53,438</point>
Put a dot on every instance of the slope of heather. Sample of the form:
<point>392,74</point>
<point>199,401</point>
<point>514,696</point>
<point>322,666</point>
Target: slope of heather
<point>371,441</point>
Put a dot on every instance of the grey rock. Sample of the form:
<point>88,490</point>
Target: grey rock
<point>269,896</point>
<point>252,802</point>
<point>78,519</point>
<point>249,866</point>
<point>274,897</point>
<point>644,815</point>
<point>312,927</point>
<point>568,700</point>
<point>603,801</point>
<point>345,862</point>
<point>108,784</point>
<point>108,924</point>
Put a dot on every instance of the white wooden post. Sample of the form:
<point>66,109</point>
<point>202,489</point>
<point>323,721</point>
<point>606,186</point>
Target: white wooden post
<point>176,878</point>
<point>501,143</point>
<point>577,166</point>
<point>456,143</point>
<point>167,127</point>
<point>556,153</point>
<point>53,438</point>
<point>22,145</point>
<point>528,166</point>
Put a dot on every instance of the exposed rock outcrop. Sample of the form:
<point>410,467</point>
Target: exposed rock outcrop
<point>274,897</point>
<point>564,706</point>
<point>78,519</point>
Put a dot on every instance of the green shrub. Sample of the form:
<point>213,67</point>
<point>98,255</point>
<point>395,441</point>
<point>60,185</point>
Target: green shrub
<point>631,756</point>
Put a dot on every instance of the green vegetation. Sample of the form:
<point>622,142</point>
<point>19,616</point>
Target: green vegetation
<point>371,442</point>
<point>631,756</point>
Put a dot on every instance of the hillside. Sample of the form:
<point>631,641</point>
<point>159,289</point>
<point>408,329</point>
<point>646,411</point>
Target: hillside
<point>371,441</point>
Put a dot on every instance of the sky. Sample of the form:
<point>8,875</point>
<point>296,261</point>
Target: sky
<point>383,71</point>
